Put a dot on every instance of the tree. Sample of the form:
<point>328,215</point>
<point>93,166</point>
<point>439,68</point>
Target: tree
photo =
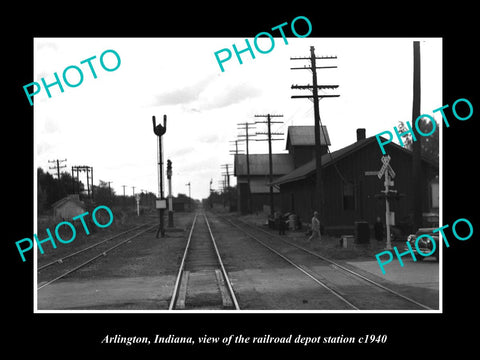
<point>430,144</point>
<point>51,190</point>
<point>69,184</point>
<point>41,195</point>
<point>104,194</point>
<point>407,139</point>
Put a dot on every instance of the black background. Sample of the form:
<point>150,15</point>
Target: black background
<point>76,334</point>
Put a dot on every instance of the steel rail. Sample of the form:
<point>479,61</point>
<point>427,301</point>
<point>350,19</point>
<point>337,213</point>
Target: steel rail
<point>225,275</point>
<point>181,268</point>
<point>59,261</point>
<point>333,291</point>
<point>103,253</point>
<point>344,269</point>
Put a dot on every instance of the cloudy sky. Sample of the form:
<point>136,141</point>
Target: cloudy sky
<point>106,122</point>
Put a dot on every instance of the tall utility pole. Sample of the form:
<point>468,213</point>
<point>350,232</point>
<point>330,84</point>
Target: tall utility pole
<point>109,189</point>
<point>314,88</point>
<point>124,186</point>
<point>58,167</point>
<point>247,126</point>
<point>228,193</point>
<point>211,190</point>
<point>236,151</point>
<point>269,139</point>
<point>73,181</point>
<point>417,145</point>
<point>189,195</point>
<point>91,169</point>
<point>88,183</point>
<point>87,169</point>
<point>227,174</point>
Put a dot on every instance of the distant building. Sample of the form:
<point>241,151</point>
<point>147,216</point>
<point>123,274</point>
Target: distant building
<point>259,178</point>
<point>301,149</point>
<point>68,207</point>
<point>182,203</point>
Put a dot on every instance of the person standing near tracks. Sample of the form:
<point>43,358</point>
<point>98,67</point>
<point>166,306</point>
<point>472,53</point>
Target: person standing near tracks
<point>315,228</point>
<point>378,229</point>
<point>282,225</point>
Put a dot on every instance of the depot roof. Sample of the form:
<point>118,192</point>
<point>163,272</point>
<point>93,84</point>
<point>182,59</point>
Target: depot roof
<point>302,172</point>
<point>259,164</point>
<point>305,136</point>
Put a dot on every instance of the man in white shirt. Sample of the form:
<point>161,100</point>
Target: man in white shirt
<point>315,228</point>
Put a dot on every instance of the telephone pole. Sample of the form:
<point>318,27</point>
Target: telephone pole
<point>228,193</point>
<point>227,174</point>
<point>211,191</point>
<point>314,88</point>
<point>189,195</point>
<point>247,126</point>
<point>417,145</point>
<point>236,151</point>
<point>110,189</point>
<point>269,139</point>
<point>87,169</point>
<point>58,167</point>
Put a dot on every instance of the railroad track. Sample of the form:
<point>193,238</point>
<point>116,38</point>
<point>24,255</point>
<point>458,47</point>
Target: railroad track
<point>355,290</point>
<point>66,265</point>
<point>202,282</point>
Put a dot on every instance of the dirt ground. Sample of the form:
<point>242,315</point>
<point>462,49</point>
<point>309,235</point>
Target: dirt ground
<point>329,246</point>
<point>288,292</point>
<point>138,275</point>
<point>141,274</point>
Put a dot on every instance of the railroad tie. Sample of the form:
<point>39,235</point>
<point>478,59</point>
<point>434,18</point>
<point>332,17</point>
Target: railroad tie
<point>182,294</point>
<point>226,300</point>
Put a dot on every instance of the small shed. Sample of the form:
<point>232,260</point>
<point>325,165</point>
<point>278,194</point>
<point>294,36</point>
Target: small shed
<point>68,207</point>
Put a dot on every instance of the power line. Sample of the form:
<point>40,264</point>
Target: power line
<point>269,139</point>
<point>58,167</point>
<point>315,96</point>
<point>247,126</point>
<point>236,151</point>
<point>88,170</point>
<point>227,174</point>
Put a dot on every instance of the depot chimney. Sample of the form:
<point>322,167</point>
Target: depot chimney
<point>361,134</point>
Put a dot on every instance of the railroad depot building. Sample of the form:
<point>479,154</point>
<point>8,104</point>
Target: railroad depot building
<point>349,193</point>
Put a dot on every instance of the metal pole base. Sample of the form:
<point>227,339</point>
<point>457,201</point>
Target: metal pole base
<point>161,229</point>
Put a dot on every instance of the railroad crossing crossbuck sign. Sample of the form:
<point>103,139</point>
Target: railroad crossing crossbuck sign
<point>386,168</point>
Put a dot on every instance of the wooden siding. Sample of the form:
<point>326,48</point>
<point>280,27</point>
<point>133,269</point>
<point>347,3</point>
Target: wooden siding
<point>299,195</point>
